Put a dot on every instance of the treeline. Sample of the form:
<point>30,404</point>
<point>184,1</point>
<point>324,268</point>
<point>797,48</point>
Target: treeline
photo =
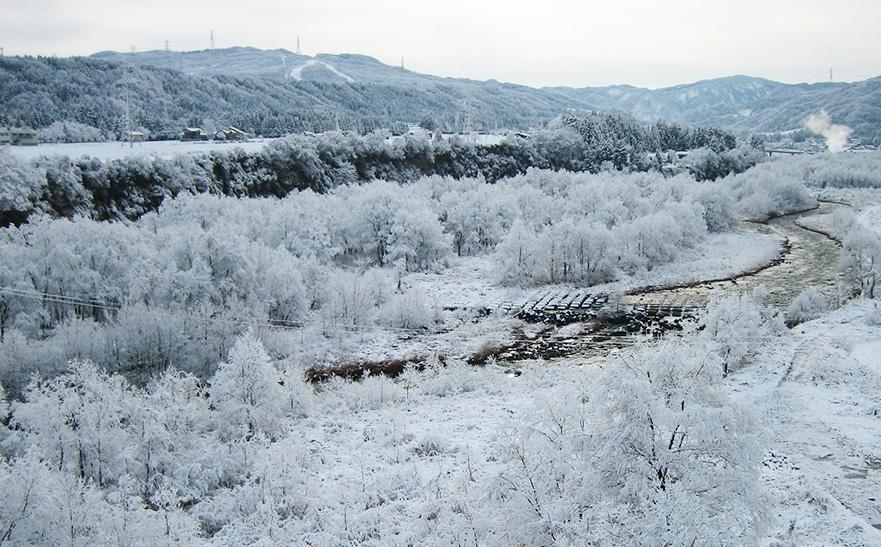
<point>128,188</point>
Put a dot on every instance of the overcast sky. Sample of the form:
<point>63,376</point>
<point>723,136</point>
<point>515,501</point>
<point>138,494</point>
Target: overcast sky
<point>538,43</point>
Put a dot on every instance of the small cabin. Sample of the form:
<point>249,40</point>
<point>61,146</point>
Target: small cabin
<point>230,134</point>
<point>193,134</point>
<point>134,136</point>
<point>18,136</point>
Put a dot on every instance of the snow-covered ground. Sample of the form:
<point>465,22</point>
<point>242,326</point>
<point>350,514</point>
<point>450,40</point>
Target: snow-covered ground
<point>411,448</point>
<point>117,150</point>
<point>820,393</point>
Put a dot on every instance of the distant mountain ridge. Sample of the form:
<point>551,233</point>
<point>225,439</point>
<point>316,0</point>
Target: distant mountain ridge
<point>275,91</point>
<point>742,103</point>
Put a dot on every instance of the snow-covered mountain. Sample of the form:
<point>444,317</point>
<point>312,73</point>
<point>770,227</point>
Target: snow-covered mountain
<point>277,91</point>
<point>740,102</point>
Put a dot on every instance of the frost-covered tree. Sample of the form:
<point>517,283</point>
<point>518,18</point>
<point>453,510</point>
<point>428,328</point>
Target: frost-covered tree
<point>736,325</point>
<point>78,421</point>
<point>861,258</point>
<point>246,392</point>
<point>675,451</point>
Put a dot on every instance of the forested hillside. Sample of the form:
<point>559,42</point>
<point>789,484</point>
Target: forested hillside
<point>38,91</point>
<point>274,92</point>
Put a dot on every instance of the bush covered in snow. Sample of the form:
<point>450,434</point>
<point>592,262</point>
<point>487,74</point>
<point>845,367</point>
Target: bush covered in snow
<point>809,304</point>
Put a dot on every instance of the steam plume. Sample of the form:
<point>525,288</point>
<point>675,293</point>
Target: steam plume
<point>836,135</point>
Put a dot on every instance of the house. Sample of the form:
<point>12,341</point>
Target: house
<point>134,136</point>
<point>18,136</point>
<point>231,134</point>
<point>193,134</point>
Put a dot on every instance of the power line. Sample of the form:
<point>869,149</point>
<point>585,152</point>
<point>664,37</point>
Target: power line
<point>282,324</point>
<point>272,323</point>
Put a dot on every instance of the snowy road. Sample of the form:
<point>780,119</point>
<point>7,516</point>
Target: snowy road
<point>107,151</point>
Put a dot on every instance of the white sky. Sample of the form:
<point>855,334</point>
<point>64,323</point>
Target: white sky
<point>549,42</point>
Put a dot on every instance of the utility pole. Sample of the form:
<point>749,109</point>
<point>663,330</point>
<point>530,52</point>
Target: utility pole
<point>830,75</point>
<point>166,46</point>
<point>128,105</point>
<point>402,63</point>
<point>211,34</point>
<point>298,44</point>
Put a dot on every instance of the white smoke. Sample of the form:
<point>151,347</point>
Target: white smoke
<point>836,135</point>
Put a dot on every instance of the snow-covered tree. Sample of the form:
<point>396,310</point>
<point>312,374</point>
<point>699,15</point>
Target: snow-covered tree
<point>861,258</point>
<point>736,325</point>
<point>675,451</point>
<point>246,392</point>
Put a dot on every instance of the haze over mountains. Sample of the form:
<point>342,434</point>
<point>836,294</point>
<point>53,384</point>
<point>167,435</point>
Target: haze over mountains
<point>275,91</point>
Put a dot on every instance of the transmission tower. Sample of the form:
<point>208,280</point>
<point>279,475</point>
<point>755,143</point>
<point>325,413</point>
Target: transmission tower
<point>166,46</point>
<point>298,44</point>
<point>211,35</point>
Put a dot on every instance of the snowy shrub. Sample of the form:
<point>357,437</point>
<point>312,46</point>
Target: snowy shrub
<point>69,131</point>
<point>874,316</point>
<point>348,301</point>
<point>369,393</point>
<point>737,325</point>
<point>810,304</point>
<point>768,189</point>
<point>276,488</point>
<point>78,421</point>
<point>652,452</point>
<point>298,394</point>
<point>20,186</point>
<point>451,379</point>
<point>410,310</point>
<point>718,206</point>
<point>428,445</point>
<point>673,449</point>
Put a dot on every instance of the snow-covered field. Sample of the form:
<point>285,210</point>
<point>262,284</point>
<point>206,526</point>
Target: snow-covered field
<point>413,448</point>
<point>117,150</point>
<point>820,393</point>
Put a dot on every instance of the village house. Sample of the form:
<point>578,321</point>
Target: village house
<point>134,136</point>
<point>18,136</point>
<point>230,134</point>
<point>193,134</point>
